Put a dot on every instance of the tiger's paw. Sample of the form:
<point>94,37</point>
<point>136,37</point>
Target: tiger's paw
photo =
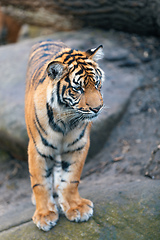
<point>81,211</point>
<point>45,220</point>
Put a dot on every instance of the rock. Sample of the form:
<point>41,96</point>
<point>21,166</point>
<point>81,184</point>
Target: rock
<point>117,88</point>
<point>130,63</point>
<point>116,54</point>
<point>13,137</point>
<point>127,211</point>
<point>4,156</point>
<point>16,216</point>
<point>133,16</point>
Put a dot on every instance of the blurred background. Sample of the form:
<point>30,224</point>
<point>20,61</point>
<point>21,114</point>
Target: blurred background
<point>125,139</point>
<point>32,18</point>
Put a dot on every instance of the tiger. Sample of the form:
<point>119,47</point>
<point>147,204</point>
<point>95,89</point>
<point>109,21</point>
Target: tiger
<point>62,98</point>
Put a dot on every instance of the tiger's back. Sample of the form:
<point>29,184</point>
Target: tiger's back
<point>40,54</point>
<point>62,97</point>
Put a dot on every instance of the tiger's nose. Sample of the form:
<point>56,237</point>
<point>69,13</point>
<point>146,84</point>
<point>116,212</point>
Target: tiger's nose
<point>95,110</point>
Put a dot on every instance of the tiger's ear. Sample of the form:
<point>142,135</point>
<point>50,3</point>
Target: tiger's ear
<point>95,53</point>
<point>56,70</point>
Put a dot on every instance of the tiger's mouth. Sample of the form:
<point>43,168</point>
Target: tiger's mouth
<point>91,116</point>
<point>77,115</point>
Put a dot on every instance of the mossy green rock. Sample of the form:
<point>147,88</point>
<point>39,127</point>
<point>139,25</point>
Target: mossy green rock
<point>124,212</point>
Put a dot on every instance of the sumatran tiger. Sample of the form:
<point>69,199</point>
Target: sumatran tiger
<point>63,96</point>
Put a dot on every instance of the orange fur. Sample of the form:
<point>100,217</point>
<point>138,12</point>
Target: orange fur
<point>62,96</point>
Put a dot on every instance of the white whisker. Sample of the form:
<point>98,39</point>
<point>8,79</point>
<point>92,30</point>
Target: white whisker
<point>67,116</point>
<point>105,108</point>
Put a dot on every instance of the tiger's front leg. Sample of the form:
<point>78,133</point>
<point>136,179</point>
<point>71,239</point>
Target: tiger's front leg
<point>46,214</point>
<point>75,208</point>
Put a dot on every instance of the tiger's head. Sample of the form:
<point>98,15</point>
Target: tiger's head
<point>77,80</point>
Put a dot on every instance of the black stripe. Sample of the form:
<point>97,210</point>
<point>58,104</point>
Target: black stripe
<point>79,72</point>
<point>52,98</point>
<point>71,93</point>
<point>41,154</point>
<point>44,156</point>
<point>62,180</point>
<point>45,44</point>
<point>70,100</point>
<point>44,141</point>
<point>55,195</point>
<point>75,121</point>
<point>75,66</point>
<point>62,122</point>
<point>81,58</point>
<point>58,94</point>
<point>71,61</point>
<point>72,55</point>
<point>41,80</point>
<point>82,63</point>
<point>69,52</point>
<point>38,70</point>
<point>78,54</point>
<point>68,81</point>
<point>57,163</point>
<point>63,89</point>
<point>74,181</point>
<point>89,69</point>
<point>35,60</point>
<point>52,124</point>
<point>77,101</point>
<point>85,81</point>
<point>37,119</point>
<point>76,81</point>
<point>98,70</point>
<point>36,185</point>
<point>65,166</point>
<point>80,77</point>
<point>58,166</point>
<point>80,136</point>
<point>48,172</point>
<point>44,55</point>
<point>67,58</point>
<point>89,206</point>
<point>75,150</point>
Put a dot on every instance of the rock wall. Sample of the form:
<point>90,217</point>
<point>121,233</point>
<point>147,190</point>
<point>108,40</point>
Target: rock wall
<point>133,16</point>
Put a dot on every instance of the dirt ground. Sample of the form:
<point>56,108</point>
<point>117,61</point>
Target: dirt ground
<point>126,153</point>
